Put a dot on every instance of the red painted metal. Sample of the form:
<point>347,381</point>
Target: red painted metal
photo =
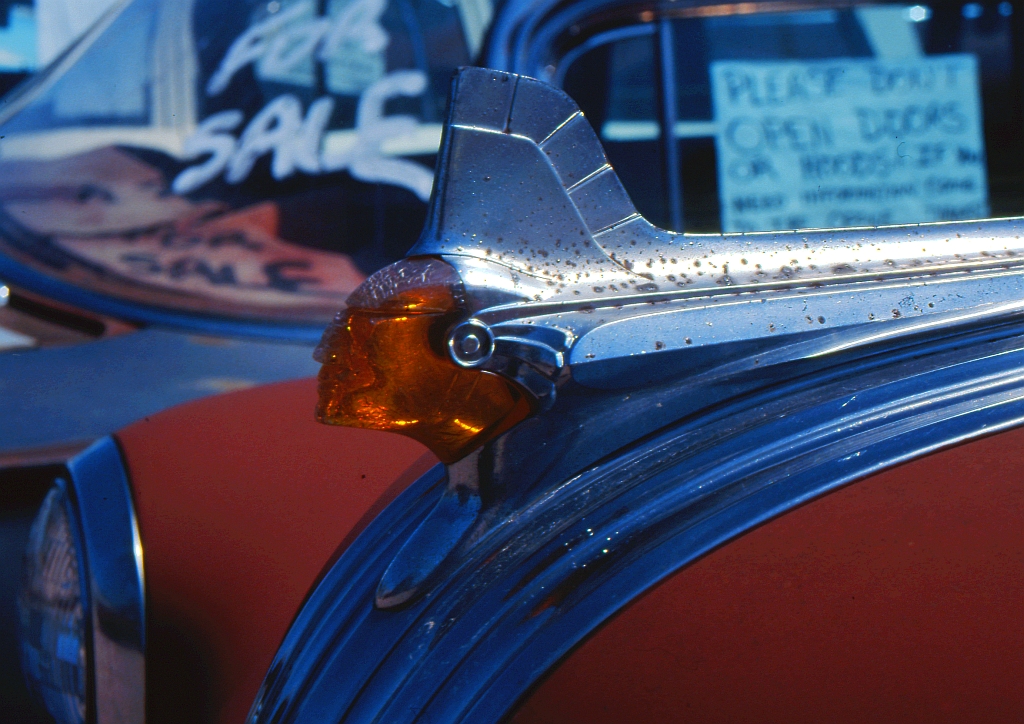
<point>242,499</point>
<point>897,598</point>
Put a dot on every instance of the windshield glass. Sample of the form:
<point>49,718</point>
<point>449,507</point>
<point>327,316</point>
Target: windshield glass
<point>249,159</point>
<point>816,117</point>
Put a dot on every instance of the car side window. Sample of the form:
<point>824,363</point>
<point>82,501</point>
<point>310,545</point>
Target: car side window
<point>827,117</point>
<point>250,159</point>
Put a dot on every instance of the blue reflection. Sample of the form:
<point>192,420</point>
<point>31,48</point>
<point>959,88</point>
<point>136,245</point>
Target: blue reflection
<point>18,40</point>
<point>971,11</point>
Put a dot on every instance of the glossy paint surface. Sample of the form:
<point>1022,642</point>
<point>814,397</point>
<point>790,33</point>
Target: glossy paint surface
<point>242,499</point>
<point>66,395</point>
<point>893,599</point>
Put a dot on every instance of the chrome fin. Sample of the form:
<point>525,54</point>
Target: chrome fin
<point>523,183</point>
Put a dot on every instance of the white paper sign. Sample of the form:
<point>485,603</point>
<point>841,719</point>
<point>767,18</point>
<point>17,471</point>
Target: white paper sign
<point>848,142</point>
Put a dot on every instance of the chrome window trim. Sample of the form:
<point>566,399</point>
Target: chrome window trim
<point>669,110</point>
<point>525,36</point>
<point>112,549</point>
<point>639,30</point>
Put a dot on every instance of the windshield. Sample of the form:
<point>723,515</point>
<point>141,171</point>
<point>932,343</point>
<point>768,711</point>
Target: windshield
<point>810,115</point>
<point>249,159</point>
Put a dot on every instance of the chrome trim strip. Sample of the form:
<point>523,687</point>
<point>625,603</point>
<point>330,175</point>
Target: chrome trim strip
<point>113,555</point>
<point>538,574</point>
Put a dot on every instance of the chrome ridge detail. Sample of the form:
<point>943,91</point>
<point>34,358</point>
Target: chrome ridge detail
<point>533,356</point>
<point>116,593</point>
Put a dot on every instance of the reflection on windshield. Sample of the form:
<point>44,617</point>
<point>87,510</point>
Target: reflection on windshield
<point>296,143</point>
<point>830,117</point>
<point>255,160</point>
<point>107,210</point>
<point>823,144</point>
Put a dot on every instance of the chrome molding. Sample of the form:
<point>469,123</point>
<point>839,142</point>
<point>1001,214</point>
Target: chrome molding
<point>116,595</point>
<point>692,387</point>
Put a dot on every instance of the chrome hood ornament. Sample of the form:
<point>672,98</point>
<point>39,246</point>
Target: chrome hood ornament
<point>613,328</point>
<point>693,387</point>
<point>562,272</point>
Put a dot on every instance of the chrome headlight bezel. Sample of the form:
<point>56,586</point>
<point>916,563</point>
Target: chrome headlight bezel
<point>53,611</point>
<point>97,501</point>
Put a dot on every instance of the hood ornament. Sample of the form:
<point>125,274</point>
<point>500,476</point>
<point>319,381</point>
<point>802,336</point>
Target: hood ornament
<point>534,219</point>
<point>612,327</point>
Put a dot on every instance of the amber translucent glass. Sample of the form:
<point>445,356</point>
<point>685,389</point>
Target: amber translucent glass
<point>384,367</point>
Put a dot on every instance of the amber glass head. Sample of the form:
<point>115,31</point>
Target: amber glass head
<point>384,366</point>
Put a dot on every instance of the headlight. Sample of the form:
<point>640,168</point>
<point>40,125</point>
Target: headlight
<point>81,599</point>
<point>52,611</point>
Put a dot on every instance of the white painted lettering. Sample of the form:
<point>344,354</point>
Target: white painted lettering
<point>251,45</point>
<point>275,126</point>
<point>304,151</point>
<point>283,41</point>
<point>365,160</point>
<point>280,43</point>
<point>210,138</point>
<point>294,45</point>
<point>359,23</point>
<point>296,142</point>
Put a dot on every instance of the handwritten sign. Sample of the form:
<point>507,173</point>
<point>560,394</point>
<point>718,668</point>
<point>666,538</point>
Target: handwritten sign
<point>282,46</point>
<point>848,142</point>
